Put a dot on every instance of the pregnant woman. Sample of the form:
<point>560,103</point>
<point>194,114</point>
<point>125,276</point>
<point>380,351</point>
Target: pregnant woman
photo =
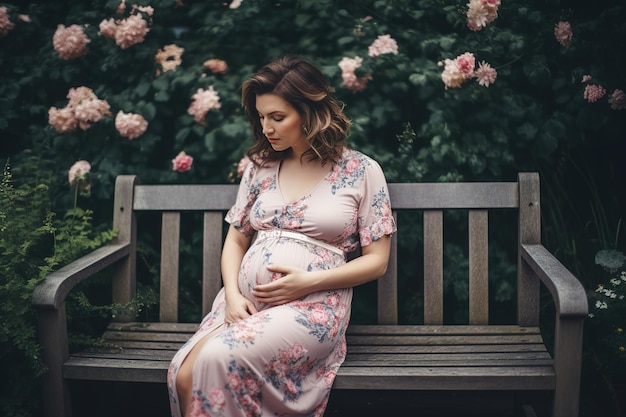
<point>275,337</point>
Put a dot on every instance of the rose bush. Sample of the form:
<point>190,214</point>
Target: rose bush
<point>437,90</point>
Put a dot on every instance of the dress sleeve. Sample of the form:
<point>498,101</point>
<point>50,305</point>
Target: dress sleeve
<point>375,216</point>
<point>239,213</point>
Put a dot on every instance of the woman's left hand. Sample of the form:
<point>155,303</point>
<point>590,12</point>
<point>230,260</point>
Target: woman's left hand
<point>294,284</point>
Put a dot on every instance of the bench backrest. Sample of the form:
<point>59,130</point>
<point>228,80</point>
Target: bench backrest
<point>431,198</point>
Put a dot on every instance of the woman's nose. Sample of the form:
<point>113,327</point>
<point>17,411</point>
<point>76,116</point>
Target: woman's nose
<point>267,128</point>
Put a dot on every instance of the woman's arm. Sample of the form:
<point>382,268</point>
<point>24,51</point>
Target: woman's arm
<point>297,283</point>
<point>235,246</point>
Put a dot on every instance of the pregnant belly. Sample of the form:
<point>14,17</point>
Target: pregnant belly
<point>284,252</point>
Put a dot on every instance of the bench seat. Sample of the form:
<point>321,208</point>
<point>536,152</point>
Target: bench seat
<point>400,357</point>
<point>384,355</point>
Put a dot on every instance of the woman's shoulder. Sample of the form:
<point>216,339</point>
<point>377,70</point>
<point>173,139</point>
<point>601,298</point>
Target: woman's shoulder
<point>352,156</point>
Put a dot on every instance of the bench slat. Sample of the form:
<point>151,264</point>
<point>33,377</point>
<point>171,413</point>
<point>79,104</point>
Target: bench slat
<point>478,267</point>
<point>211,268</point>
<point>387,286</point>
<point>433,267</point>
<point>170,238</point>
<point>449,329</point>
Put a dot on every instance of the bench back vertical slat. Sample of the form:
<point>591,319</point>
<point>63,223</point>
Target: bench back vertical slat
<point>170,239</point>
<point>478,267</point>
<point>529,233</point>
<point>433,267</point>
<point>212,248</point>
<point>388,286</point>
<point>125,223</point>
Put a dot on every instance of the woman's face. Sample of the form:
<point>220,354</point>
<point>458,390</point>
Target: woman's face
<point>282,124</point>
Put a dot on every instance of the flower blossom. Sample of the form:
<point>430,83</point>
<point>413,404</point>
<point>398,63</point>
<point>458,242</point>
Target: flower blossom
<point>383,44</point>
<point>235,4</point>
<point>481,12</point>
<point>350,80</point>
<point>130,125</point>
<point>594,93</point>
<point>5,23</point>
<point>130,31</point>
<point>466,63</point>
<point>83,108</point>
<point>462,68</point>
<point>203,101</point>
<point>451,76</point>
<point>586,79</point>
<point>169,57</point>
<point>617,100</point>
<point>242,165</point>
<point>216,66</point>
<point>78,171</point>
<point>182,162</point>
<point>70,42</point>
<point>485,74</point>
<point>563,33</point>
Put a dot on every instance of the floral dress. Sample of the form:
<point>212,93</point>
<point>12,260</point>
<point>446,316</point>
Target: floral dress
<point>282,361</point>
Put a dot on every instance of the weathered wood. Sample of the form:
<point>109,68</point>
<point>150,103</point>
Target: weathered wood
<point>219,197</point>
<point>529,226</point>
<point>479,195</point>
<point>125,223</point>
<point>478,267</point>
<point>211,268</point>
<point>170,239</point>
<point>433,267</point>
<point>383,356</point>
<point>388,286</point>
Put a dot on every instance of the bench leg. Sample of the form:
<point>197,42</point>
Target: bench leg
<point>55,351</point>
<point>567,363</point>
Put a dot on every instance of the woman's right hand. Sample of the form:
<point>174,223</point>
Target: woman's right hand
<point>238,307</point>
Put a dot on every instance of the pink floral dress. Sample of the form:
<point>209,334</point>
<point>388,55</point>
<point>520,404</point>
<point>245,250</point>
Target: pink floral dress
<point>282,361</point>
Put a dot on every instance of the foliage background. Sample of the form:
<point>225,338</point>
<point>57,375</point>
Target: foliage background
<point>534,118</point>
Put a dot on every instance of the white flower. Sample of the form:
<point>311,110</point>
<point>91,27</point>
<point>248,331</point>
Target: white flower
<point>601,305</point>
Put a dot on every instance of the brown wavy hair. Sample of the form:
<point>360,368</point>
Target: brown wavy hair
<point>302,85</point>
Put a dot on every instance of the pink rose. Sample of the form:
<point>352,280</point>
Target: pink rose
<point>182,162</point>
<point>203,102</point>
<point>63,120</point>
<point>5,23</point>
<point>563,33</point>
<point>594,93</point>
<point>617,100</point>
<point>451,76</point>
<point>318,316</point>
<point>242,165</point>
<point>234,381</point>
<point>130,125</point>
<point>78,171</point>
<point>170,57</point>
<point>350,80</point>
<point>216,66</point>
<point>70,42</point>
<point>383,44</point>
<point>466,64</point>
<point>217,399</point>
<point>485,74</point>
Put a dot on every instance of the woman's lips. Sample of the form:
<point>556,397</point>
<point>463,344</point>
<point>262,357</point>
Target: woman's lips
<point>272,140</point>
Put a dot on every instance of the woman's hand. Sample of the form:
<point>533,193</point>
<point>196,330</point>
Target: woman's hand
<point>238,308</point>
<point>294,284</point>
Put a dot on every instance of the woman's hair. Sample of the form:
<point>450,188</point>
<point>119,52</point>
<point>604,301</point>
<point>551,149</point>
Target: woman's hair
<point>302,85</point>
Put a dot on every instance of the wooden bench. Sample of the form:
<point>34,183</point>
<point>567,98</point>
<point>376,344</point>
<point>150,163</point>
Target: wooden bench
<point>384,356</point>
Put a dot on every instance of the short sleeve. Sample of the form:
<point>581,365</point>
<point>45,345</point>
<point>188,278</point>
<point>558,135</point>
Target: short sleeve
<point>375,215</point>
<point>239,213</point>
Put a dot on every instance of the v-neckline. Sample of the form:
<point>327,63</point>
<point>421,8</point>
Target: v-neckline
<point>308,193</point>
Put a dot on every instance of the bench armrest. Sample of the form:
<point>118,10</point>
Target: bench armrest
<point>567,291</point>
<point>51,293</point>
